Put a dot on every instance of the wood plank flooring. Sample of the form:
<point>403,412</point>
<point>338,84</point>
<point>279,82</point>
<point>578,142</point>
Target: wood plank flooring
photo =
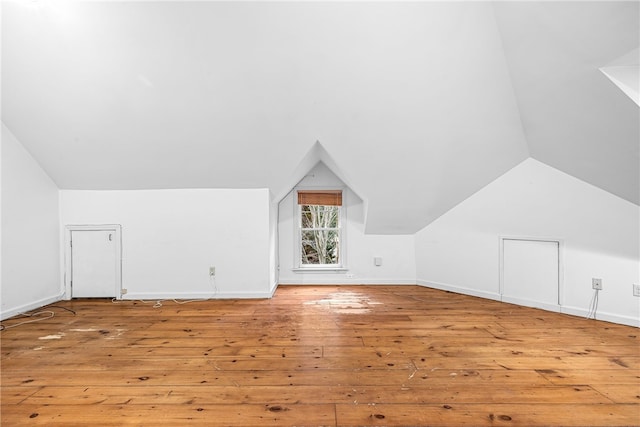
<point>319,356</point>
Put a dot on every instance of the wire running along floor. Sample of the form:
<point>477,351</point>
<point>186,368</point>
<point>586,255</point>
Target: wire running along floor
<point>319,355</point>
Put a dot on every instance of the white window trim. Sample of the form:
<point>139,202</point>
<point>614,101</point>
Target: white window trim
<point>297,253</point>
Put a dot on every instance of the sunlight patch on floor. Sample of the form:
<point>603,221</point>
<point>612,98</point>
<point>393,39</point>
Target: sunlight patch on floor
<point>346,302</point>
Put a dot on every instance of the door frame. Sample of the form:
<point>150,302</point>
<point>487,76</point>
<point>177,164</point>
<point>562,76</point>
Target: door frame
<point>68,268</point>
<point>560,243</point>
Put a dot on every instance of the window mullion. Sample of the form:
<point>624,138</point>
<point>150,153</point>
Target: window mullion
<point>318,240</point>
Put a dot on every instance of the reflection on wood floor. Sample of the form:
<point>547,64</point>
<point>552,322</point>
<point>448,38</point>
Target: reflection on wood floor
<point>319,355</point>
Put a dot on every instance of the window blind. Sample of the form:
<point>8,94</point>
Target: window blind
<point>320,197</point>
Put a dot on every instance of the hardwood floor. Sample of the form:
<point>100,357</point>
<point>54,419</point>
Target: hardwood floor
<point>319,355</point>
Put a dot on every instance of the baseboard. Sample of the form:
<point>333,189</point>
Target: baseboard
<point>153,296</point>
<point>459,290</point>
<point>274,287</point>
<point>604,316</point>
<point>574,311</point>
<point>533,304</point>
<point>30,306</point>
<point>343,281</point>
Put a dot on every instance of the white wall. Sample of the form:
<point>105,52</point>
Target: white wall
<point>30,231</point>
<point>397,252</point>
<point>600,232</point>
<point>273,246</point>
<point>170,238</point>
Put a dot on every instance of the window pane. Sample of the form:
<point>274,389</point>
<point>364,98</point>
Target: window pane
<point>307,219</point>
<point>320,247</point>
<point>313,216</point>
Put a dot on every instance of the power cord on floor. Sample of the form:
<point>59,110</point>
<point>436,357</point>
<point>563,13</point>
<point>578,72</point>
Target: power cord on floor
<point>35,317</point>
<point>159,303</point>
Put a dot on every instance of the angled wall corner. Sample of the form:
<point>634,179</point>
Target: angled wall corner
<point>626,78</point>
<point>624,72</point>
<point>534,201</point>
<point>30,231</point>
<point>317,154</point>
<point>359,250</point>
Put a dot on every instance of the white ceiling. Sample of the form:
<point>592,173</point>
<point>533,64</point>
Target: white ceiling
<point>416,105</point>
<point>574,119</point>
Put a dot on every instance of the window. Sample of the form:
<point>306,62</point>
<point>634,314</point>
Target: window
<point>320,231</point>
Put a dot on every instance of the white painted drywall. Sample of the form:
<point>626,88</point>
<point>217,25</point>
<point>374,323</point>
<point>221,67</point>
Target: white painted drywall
<point>397,252</point>
<point>170,238</point>
<point>600,234</point>
<point>414,94</point>
<point>30,231</point>
<point>273,246</point>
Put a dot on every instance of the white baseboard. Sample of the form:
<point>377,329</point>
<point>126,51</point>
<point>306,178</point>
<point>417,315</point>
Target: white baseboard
<point>154,296</point>
<point>533,304</point>
<point>459,290</point>
<point>574,311</point>
<point>30,306</point>
<point>274,287</point>
<point>343,281</point>
<point>607,317</point>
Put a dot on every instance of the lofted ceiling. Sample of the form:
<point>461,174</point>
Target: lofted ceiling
<point>415,105</point>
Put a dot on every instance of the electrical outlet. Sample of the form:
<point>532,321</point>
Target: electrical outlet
<point>123,291</point>
<point>212,271</point>
<point>636,290</point>
<point>596,284</point>
<point>351,276</point>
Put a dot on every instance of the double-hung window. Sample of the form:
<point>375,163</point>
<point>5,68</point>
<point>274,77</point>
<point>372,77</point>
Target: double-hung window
<point>320,228</point>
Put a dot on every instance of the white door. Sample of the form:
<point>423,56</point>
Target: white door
<point>93,263</point>
<point>531,273</point>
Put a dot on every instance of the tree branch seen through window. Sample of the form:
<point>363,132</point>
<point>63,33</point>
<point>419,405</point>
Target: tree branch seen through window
<point>320,234</point>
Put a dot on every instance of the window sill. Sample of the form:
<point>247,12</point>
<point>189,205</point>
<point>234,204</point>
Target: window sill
<point>320,270</point>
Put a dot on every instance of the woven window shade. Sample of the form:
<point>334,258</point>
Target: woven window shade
<point>320,197</point>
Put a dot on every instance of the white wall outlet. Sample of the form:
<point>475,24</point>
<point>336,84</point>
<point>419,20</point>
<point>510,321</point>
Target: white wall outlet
<point>351,276</point>
<point>596,284</point>
<point>377,261</point>
<point>123,291</point>
<point>212,271</point>
<point>636,290</point>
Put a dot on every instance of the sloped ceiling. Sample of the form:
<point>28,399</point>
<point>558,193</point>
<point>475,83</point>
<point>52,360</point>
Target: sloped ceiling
<point>624,72</point>
<point>575,118</point>
<point>416,105</point>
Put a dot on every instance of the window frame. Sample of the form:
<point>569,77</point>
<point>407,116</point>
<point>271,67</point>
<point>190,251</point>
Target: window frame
<point>297,224</point>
